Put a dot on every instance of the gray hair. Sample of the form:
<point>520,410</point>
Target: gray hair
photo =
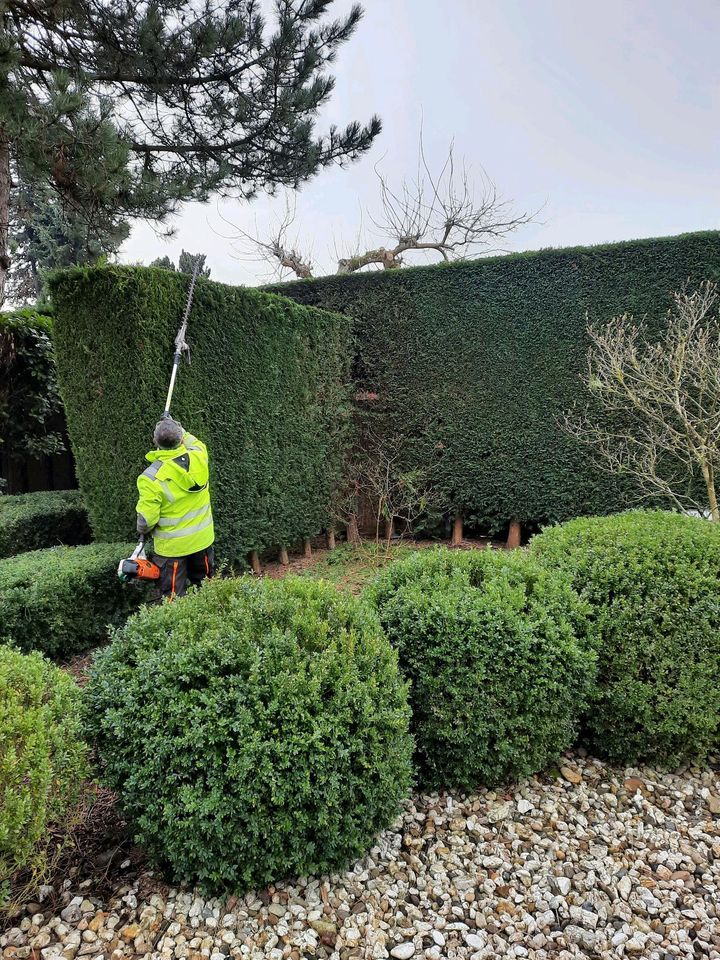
<point>168,434</point>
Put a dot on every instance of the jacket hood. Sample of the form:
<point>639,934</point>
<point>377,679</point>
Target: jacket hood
<point>181,465</point>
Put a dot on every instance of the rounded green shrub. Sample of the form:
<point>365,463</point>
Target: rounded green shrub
<point>487,641</point>
<point>61,600</point>
<point>254,730</point>
<point>652,582</point>
<point>31,521</point>
<point>42,759</point>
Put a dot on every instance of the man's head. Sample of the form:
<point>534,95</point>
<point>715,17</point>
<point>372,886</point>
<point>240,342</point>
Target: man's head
<point>168,434</point>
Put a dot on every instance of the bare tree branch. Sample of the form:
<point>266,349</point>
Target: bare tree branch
<point>436,213</point>
<point>664,395</point>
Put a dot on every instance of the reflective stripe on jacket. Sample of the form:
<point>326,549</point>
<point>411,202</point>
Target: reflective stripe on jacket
<point>174,499</point>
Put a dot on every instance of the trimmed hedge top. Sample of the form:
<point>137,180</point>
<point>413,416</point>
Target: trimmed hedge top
<point>62,600</point>
<point>474,363</point>
<point>266,390</point>
<point>30,521</point>
<point>652,583</point>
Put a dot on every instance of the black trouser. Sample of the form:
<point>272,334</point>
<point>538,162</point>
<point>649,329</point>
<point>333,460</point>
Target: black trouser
<point>175,572</point>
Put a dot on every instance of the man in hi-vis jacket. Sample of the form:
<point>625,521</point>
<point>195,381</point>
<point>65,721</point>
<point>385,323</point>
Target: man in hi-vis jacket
<point>174,506</point>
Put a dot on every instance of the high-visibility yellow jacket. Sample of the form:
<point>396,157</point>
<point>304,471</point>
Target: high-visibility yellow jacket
<point>174,499</point>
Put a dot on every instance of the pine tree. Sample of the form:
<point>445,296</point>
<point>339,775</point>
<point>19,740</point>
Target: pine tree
<point>45,235</point>
<point>186,263</point>
<point>133,106</point>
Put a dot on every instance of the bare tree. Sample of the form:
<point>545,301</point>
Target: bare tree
<point>436,213</point>
<point>657,418</point>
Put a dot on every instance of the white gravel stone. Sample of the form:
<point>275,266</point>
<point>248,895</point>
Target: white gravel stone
<point>556,872</point>
<point>403,951</point>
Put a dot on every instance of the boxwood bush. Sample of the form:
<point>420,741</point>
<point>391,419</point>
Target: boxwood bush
<point>254,730</point>
<point>30,521</point>
<point>497,678</point>
<point>42,760</point>
<point>61,600</point>
<point>652,580</point>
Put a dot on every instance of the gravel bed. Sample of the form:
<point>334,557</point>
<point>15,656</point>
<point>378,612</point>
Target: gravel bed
<point>590,862</point>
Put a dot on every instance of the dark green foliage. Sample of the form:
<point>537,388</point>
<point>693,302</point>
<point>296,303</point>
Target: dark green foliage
<point>487,640</point>
<point>186,263</point>
<point>266,390</point>
<point>474,364</point>
<point>61,600</point>
<point>30,521</point>
<point>47,234</point>
<point>652,581</point>
<point>129,108</point>
<point>255,730</point>
<point>29,398</point>
<point>42,760</point>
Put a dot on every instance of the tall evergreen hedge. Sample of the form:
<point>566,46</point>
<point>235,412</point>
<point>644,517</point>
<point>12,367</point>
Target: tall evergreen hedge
<point>474,363</point>
<point>266,390</point>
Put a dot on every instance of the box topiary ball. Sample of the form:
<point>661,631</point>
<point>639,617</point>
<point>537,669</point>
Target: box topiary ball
<point>43,760</point>
<point>487,640</point>
<point>652,583</point>
<point>254,730</point>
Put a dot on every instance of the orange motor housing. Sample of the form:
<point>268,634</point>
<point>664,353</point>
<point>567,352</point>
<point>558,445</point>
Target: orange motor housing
<point>138,567</point>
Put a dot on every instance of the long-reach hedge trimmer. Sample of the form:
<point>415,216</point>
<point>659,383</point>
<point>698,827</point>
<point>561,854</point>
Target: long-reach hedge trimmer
<point>137,566</point>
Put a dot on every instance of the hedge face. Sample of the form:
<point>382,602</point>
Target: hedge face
<point>29,398</point>
<point>475,363</point>
<point>497,678</point>
<point>31,521</point>
<point>42,761</point>
<point>266,391</point>
<point>255,730</point>
<point>61,600</point>
<point>652,582</point>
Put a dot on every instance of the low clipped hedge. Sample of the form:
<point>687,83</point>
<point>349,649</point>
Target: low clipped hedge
<point>652,582</point>
<point>61,600</point>
<point>31,521</point>
<point>254,730</point>
<point>42,760</point>
<point>487,640</point>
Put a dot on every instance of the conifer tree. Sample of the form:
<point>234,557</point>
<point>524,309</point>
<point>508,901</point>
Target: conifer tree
<point>133,106</point>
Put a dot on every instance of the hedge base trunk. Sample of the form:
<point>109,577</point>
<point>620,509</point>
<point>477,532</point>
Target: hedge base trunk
<point>307,548</point>
<point>514,537</point>
<point>284,556</point>
<point>255,562</point>
<point>457,531</point>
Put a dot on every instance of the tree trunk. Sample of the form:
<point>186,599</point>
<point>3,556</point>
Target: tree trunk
<point>514,538</point>
<point>331,538</point>
<point>457,531</point>
<point>307,548</point>
<point>255,562</point>
<point>709,477</point>
<point>389,529</point>
<point>353,534</point>
<point>283,556</point>
<point>4,211</point>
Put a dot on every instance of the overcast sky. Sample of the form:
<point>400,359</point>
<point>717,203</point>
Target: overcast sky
<point>606,115</point>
